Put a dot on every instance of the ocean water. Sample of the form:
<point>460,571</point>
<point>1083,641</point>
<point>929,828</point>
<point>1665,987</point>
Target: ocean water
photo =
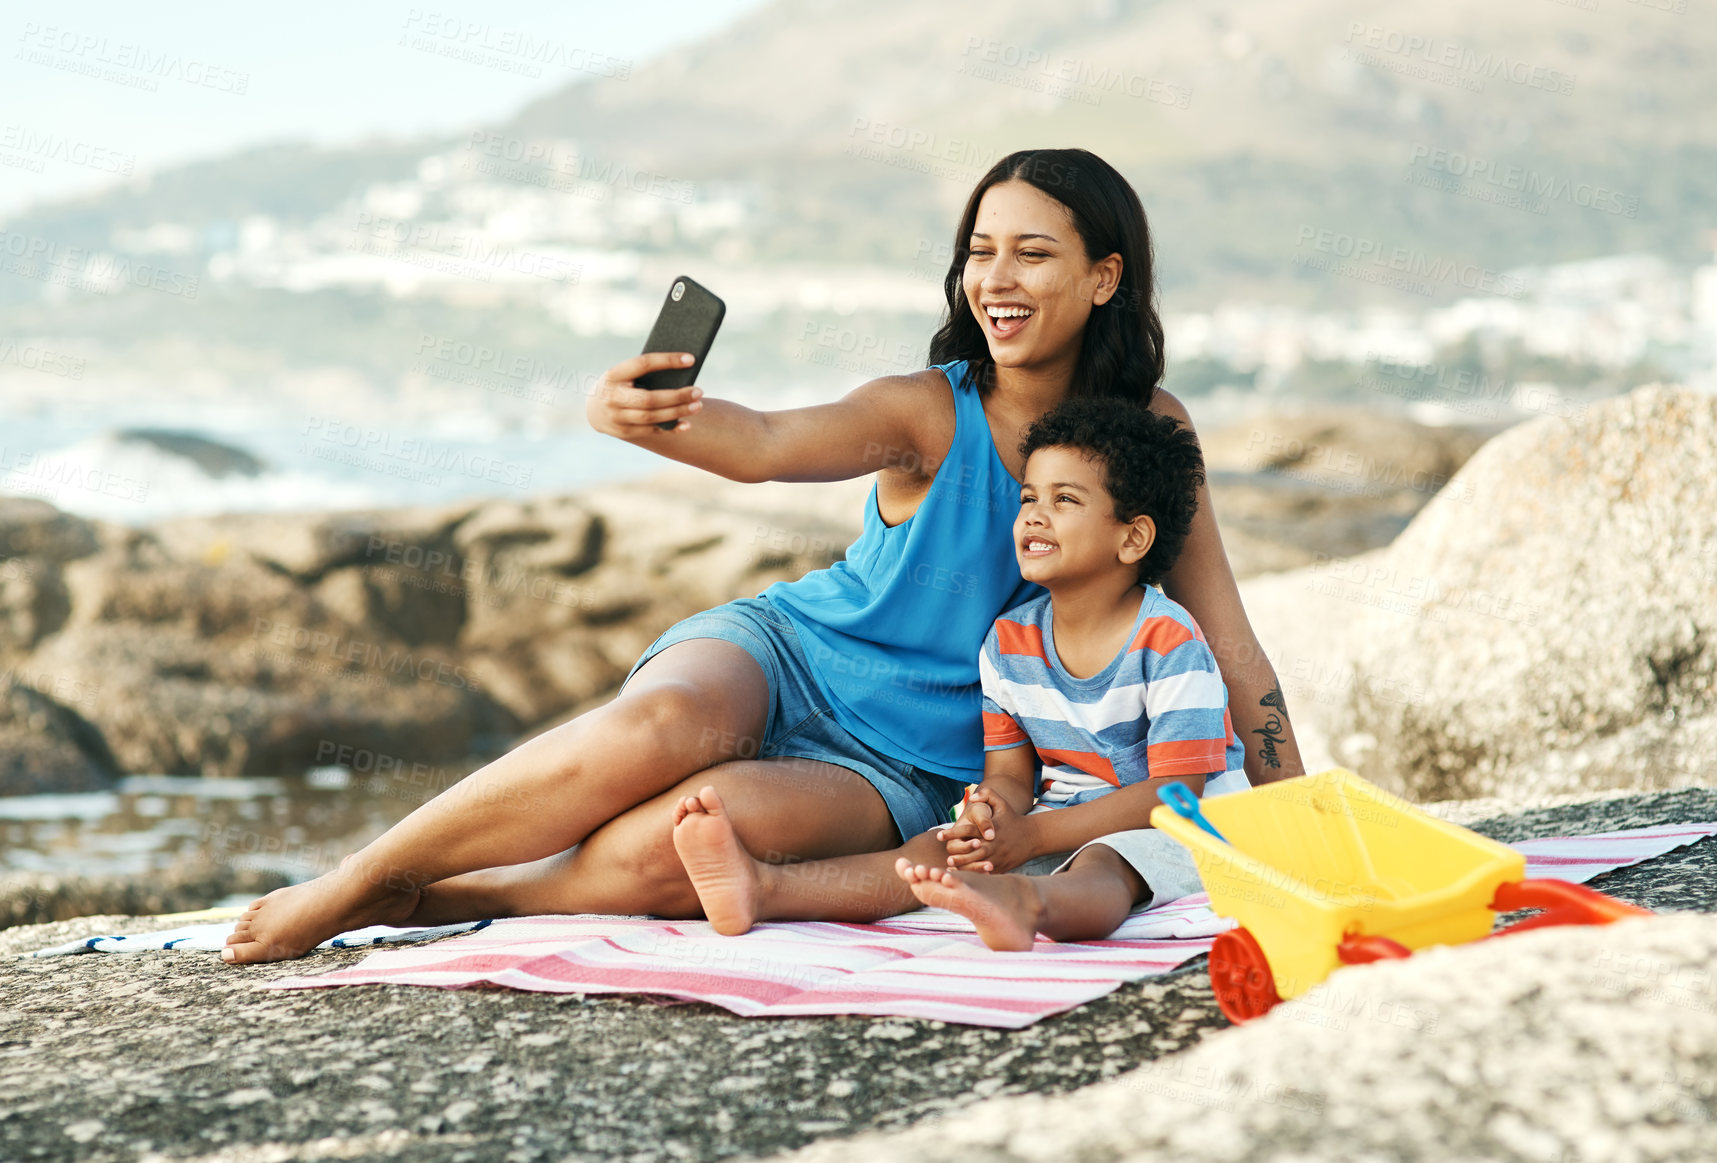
<point>80,459</point>
<point>84,465</point>
<point>298,825</point>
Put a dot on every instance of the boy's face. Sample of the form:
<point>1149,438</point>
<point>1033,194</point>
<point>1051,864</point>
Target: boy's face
<point>1066,529</point>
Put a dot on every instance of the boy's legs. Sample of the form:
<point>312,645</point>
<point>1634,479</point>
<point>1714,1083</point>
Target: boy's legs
<point>1085,902</point>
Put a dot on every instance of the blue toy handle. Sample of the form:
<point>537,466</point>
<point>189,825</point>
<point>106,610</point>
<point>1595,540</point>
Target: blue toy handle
<point>1185,805</point>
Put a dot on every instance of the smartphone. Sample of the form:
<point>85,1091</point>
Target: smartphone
<point>688,321</point>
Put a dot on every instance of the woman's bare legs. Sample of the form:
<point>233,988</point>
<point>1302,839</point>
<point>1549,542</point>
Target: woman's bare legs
<point>698,702</point>
<point>736,890</point>
<point>788,808</point>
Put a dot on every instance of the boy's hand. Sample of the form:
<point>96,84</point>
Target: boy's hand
<point>974,821</point>
<point>989,837</point>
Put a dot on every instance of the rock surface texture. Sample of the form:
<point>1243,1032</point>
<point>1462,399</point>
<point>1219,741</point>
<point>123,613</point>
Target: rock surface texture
<point>1571,1043</point>
<point>251,644</point>
<point>1582,1043</point>
<point>1550,618</point>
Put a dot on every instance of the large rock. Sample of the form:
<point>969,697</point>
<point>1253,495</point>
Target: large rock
<point>45,744</point>
<point>33,528</point>
<point>265,703</point>
<point>33,602</point>
<point>1272,523</point>
<point>36,540</point>
<point>1566,1043</point>
<point>564,594</point>
<point>1348,448</point>
<point>136,581</point>
<point>1550,620</point>
<point>310,545</point>
<point>518,558</point>
<point>242,644</point>
<point>1292,489</point>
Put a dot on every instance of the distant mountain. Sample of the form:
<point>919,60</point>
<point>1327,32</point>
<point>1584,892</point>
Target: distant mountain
<point>1238,123</point>
<point>291,181</point>
<point>1492,134</point>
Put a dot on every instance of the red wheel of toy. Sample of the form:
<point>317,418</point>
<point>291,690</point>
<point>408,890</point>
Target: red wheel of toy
<point>1240,974</point>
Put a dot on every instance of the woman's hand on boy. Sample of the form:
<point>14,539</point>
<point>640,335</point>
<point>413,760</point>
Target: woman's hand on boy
<point>990,836</point>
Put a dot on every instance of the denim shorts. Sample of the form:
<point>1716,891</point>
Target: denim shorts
<point>798,722</point>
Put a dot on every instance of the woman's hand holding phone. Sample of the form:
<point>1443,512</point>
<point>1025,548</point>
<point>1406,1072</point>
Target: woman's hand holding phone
<point>619,408</point>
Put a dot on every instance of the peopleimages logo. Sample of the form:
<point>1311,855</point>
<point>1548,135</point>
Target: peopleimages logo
<point>1476,176</point>
<point>1420,55</point>
<point>125,62</point>
<point>1360,257</point>
<point>33,257</point>
<point>36,148</point>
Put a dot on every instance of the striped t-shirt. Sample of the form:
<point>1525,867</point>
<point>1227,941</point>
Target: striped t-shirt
<point>1159,708</point>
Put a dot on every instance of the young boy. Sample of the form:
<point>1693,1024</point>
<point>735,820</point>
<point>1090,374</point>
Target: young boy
<point>1104,681</point>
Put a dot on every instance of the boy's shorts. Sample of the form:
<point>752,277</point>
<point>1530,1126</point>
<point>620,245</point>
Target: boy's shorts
<point>1161,861</point>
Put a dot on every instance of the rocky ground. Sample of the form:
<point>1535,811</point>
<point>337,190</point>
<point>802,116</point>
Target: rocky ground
<point>176,1056</point>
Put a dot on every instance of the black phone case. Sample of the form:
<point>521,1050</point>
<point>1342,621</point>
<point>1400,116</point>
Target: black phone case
<point>686,324</point>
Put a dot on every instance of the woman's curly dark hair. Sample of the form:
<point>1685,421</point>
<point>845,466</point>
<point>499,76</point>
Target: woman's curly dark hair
<point>1121,352</point>
<point>1151,465</point>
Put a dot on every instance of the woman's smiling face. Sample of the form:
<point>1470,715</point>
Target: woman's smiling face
<point>1027,279</point>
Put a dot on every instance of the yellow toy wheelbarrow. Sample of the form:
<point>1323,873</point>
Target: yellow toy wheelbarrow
<point>1329,870</point>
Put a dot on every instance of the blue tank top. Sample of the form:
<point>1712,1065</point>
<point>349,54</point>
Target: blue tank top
<point>893,633</point>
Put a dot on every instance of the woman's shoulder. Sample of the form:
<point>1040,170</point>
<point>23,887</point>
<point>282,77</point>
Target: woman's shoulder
<point>916,387</point>
<point>1166,404</point>
<point>924,400</point>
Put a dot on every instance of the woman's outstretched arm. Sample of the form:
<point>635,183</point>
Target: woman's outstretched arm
<point>877,425</point>
<point>1203,582</point>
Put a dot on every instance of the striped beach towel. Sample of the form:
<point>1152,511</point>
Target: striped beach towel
<point>206,931</point>
<point>928,964</point>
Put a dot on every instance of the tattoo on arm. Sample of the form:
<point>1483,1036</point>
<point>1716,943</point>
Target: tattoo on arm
<point>1271,731</point>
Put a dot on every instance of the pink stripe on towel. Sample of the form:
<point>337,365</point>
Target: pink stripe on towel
<point>927,964</point>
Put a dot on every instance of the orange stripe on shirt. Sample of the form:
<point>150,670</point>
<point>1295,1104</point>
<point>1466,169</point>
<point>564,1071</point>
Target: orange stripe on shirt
<point>1186,757</point>
<point>1018,638</point>
<point>1002,728</point>
<point>1089,762</point>
<point>1160,634</point>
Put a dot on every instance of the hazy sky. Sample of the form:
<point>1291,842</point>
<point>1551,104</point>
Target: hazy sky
<point>178,81</point>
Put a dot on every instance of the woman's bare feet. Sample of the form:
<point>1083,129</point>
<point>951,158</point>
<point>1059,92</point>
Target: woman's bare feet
<point>725,875</point>
<point>291,921</point>
<point>1006,910</point>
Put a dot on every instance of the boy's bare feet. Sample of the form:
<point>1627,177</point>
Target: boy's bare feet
<point>723,872</point>
<point>1004,909</point>
<point>291,921</point>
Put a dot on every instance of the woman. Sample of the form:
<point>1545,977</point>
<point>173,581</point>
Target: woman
<point>835,714</point>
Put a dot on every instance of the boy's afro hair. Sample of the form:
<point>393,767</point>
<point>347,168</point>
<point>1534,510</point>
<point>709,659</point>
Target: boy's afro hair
<point>1151,465</point>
